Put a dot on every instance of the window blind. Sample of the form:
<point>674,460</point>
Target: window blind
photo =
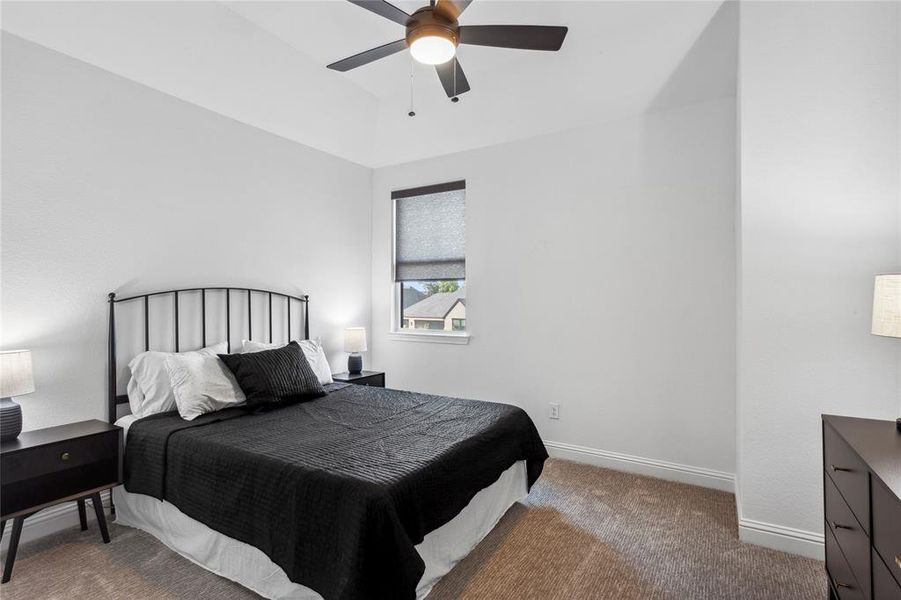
<point>430,232</point>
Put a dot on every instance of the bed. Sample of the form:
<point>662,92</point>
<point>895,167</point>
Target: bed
<point>363,493</point>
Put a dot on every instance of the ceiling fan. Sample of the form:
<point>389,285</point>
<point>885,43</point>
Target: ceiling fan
<point>433,33</point>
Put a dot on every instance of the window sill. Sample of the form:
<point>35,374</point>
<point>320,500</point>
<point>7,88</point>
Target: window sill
<point>433,338</point>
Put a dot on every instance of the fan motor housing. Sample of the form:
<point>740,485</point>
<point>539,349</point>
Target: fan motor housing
<point>426,22</point>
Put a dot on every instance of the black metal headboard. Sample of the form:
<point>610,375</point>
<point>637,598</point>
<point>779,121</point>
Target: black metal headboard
<point>115,400</point>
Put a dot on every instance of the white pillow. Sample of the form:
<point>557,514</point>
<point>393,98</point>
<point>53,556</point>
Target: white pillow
<point>149,390</point>
<point>312,350</point>
<point>201,384</point>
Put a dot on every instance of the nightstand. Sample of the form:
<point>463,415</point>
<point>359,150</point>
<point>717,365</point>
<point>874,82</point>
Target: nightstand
<point>370,378</point>
<point>45,467</point>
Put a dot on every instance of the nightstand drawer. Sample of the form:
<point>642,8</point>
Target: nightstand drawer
<point>854,544</point>
<point>842,579</point>
<point>61,456</point>
<point>373,381</point>
<point>42,474</point>
<point>849,474</point>
<point>887,528</point>
<point>884,585</point>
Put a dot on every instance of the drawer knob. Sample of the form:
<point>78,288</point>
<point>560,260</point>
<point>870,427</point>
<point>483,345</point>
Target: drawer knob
<point>834,468</point>
<point>838,526</point>
<point>64,456</point>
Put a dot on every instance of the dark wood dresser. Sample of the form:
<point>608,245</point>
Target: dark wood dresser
<point>862,492</point>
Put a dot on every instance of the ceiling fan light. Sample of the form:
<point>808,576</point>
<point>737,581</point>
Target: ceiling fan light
<point>432,49</point>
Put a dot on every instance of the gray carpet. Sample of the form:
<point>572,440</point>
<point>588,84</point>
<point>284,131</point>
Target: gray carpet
<point>584,532</point>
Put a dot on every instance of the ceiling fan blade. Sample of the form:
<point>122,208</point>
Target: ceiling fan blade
<point>383,9</point>
<point>446,75</point>
<point>364,58</point>
<point>452,9</point>
<point>524,37</point>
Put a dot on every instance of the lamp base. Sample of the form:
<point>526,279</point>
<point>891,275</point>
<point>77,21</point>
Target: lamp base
<point>10,419</point>
<point>354,364</point>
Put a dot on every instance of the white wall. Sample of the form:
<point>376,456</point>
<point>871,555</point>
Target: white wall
<point>109,185</point>
<point>819,112</point>
<point>600,275</point>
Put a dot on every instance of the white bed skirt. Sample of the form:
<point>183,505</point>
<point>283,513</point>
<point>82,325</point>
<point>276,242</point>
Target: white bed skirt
<point>245,564</point>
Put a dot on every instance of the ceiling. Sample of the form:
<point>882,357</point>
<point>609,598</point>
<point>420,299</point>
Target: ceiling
<point>263,63</point>
<point>347,29</point>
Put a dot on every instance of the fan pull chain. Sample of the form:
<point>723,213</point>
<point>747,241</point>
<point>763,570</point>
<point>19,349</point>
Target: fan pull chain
<point>412,112</point>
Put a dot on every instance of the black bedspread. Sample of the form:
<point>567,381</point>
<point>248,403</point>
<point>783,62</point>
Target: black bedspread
<point>336,491</point>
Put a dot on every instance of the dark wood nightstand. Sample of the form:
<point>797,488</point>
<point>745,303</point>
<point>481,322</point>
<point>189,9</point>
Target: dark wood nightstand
<point>370,378</point>
<point>45,467</point>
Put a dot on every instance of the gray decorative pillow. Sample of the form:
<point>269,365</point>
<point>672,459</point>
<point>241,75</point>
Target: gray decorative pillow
<point>274,377</point>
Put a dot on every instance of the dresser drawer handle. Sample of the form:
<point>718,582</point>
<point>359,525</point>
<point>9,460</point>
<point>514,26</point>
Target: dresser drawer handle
<point>64,456</point>
<point>845,469</point>
<point>837,526</point>
<point>839,584</point>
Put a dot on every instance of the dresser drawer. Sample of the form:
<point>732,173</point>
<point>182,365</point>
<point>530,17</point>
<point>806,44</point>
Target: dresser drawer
<point>887,527</point>
<point>884,585</point>
<point>849,474</point>
<point>839,572</point>
<point>854,543</point>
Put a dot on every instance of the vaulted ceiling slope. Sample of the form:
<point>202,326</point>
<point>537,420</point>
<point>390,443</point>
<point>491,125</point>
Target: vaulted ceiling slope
<point>263,63</point>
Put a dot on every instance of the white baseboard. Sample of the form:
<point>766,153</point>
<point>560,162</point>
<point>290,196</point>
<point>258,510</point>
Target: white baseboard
<point>54,519</point>
<point>661,469</point>
<point>779,537</point>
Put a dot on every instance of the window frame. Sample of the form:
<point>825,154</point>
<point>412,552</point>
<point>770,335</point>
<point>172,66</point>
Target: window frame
<point>396,332</point>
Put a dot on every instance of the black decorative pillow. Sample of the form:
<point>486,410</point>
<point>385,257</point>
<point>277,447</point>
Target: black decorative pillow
<point>273,377</point>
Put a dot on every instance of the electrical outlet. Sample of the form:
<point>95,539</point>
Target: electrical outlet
<point>554,411</point>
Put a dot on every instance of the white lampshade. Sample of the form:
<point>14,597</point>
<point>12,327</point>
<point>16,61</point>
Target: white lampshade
<point>355,339</point>
<point>887,305</point>
<point>16,377</point>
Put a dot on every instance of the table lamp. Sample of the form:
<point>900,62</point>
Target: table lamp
<point>887,309</point>
<point>15,380</point>
<point>355,343</point>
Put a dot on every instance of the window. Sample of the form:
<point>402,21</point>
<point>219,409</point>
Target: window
<point>430,258</point>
